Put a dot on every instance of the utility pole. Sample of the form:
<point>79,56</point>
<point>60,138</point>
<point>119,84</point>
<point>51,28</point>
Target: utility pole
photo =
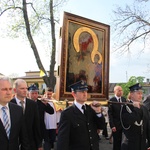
<point>126,76</point>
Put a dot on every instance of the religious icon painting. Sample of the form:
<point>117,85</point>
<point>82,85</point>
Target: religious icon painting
<point>84,55</point>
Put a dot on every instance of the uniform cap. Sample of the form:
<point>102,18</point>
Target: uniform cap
<point>33,87</point>
<point>135,87</point>
<point>79,86</point>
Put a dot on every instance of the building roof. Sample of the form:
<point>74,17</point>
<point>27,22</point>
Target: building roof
<point>29,77</point>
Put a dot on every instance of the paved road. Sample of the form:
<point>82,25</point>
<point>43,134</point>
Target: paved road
<point>104,144</point>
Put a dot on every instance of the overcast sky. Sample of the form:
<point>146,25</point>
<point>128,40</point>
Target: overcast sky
<point>17,56</point>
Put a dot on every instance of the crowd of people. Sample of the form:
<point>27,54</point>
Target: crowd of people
<point>129,120</point>
<point>30,123</point>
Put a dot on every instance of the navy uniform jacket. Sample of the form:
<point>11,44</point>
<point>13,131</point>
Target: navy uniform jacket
<point>135,133</point>
<point>114,113</point>
<point>75,132</point>
<point>32,123</point>
<point>17,131</point>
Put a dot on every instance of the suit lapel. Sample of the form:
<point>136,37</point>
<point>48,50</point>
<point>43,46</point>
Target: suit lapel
<point>14,101</point>
<point>27,108</point>
<point>115,99</point>
<point>12,118</point>
<point>2,129</point>
<point>78,113</point>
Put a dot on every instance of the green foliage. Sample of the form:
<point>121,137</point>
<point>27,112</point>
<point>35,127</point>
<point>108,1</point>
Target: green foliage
<point>133,80</point>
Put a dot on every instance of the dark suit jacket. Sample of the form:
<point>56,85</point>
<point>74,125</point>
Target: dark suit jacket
<point>32,122</point>
<point>114,113</point>
<point>146,103</point>
<point>17,131</point>
<point>136,135</point>
<point>75,132</point>
<point>42,109</point>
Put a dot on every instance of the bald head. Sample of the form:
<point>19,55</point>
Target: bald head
<point>18,82</point>
<point>118,91</point>
<point>20,89</point>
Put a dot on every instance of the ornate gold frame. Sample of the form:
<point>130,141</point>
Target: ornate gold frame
<point>84,55</point>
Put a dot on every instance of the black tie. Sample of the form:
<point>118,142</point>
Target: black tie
<point>119,100</point>
<point>84,110</point>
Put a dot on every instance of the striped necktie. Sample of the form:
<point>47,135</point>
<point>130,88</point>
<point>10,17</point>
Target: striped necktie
<point>22,105</point>
<point>6,122</point>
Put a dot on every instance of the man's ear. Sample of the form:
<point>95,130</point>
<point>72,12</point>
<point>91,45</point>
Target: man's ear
<point>73,93</point>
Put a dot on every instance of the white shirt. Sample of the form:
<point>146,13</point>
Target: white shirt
<point>79,106</point>
<point>118,98</point>
<point>7,112</point>
<point>105,113</point>
<point>51,120</point>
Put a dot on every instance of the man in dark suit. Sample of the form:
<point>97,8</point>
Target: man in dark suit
<point>43,107</point>
<point>31,114</point>
<point>15,128</point>
<point>114,117</point>
<point>135,120</point>
<point>79,123</point>
<point>146,103</point>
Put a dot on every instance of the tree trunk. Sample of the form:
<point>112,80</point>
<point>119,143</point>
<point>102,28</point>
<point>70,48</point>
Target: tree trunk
<point>50,80</point>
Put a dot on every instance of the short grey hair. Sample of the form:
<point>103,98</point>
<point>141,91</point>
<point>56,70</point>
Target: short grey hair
<point>17,82</point>
<point>5,78</point>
